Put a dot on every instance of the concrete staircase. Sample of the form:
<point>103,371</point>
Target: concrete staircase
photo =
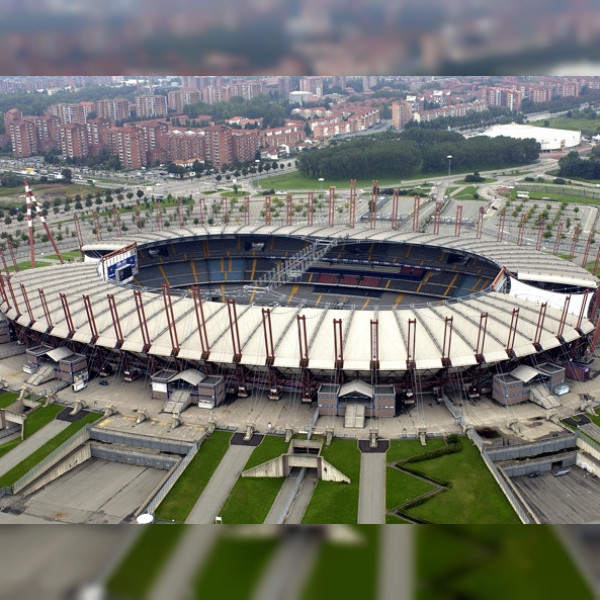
<point>178,402</point>
<point>355,415</point>
<point>42,375</point>
<point>542,396</point>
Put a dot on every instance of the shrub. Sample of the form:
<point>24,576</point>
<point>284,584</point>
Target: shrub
<point>429,454</point>
<point>559,181</point>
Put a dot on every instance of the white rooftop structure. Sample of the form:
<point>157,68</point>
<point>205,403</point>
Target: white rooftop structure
<point>77,279</point>
<point>549,138</point>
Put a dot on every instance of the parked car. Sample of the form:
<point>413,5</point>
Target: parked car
<point>103,382</point>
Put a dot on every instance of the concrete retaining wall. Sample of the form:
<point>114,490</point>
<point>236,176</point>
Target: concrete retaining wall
<point>165,487</point>
<point>141,441</point>
<point>132,457</point>
<point>76,458</point>
<point>542,465</point>
<point>557,444</point>
<point>52,459</point>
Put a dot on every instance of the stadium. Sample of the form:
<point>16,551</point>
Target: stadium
<point>368,316</point>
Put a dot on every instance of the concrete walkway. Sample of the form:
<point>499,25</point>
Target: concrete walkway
<point>30,445</point>
<point>396,562</point>
<point>293,499</point>
<point>288,570</point>
<point>177,575</point>
<point>371,496</point>
<point>220,485</point>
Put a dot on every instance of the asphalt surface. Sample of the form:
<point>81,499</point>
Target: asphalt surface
<point>97,491</point>
<point>568,499</point>
<point>220,485</point>
<point>371,497</point>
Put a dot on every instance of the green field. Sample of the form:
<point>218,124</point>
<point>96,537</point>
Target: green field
<point>26,264</point>
<point>402,449</point>
<point>468,193</point>
<point>297,181</point>
<point>558,197</point>
<point>495,563</point>
<point>47,189</point>
<point>251,498</point>
<point>38,417</point>
<point>33,459</point>
<point>337,502</point>
<point>473,497</point>
<point>586,126</point>
<point>68,255</point>
<point>183,495</point>
<point>361,557</point>
<point>402,487</point>
<point>234,568</point>
<point>7,398</point>
<point>133,578</point>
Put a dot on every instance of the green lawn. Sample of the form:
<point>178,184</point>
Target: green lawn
<point>474,495</point>
<point>362,558</point>
<point>135,575</point>
<point>337,502</point>
<point>7,398</point>
<point>251,498</point>
<point>468,193</point>
<point>183,495</point>
<point>402,487</point>
<point>297,181</point>
<point>38,417</point>
<point>26,264</point>
<point>401,449</point>
<point>33,459</point>
<point>6,447</point>
<point>234,568</point>
<point>67,255</point>
<point>586,126</point>
<point>494,563</point>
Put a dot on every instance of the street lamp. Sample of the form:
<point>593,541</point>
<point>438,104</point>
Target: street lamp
<point>449,157</point>
<point>321,180</point>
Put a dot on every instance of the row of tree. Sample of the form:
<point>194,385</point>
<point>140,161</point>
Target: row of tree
<point>272,113</point>
<point>415,151</point>
<point>572,165</point>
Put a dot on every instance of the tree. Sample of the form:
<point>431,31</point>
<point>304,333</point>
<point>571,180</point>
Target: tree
<point>219,177</point>
<point>67,175</point>
<point>139,194</point>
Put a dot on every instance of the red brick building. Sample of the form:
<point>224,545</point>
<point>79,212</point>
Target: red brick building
<point>73,140</point>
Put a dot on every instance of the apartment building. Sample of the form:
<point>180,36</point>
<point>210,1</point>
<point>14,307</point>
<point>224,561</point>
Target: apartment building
<point>151,105</point>
<point>114,109</point>
<point>97,134</point>
<point>314,85</point>
<point>219,146</point>
<point>73,140</point>
<point>177,99</point>
<point>23,138</point>
<point>68,113</point>
<point>129,144</point>
<point>402,113</point>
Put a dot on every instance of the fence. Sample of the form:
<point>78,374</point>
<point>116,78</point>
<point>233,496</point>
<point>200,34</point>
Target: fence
<point>170,482</point>
<point>52,459</point>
